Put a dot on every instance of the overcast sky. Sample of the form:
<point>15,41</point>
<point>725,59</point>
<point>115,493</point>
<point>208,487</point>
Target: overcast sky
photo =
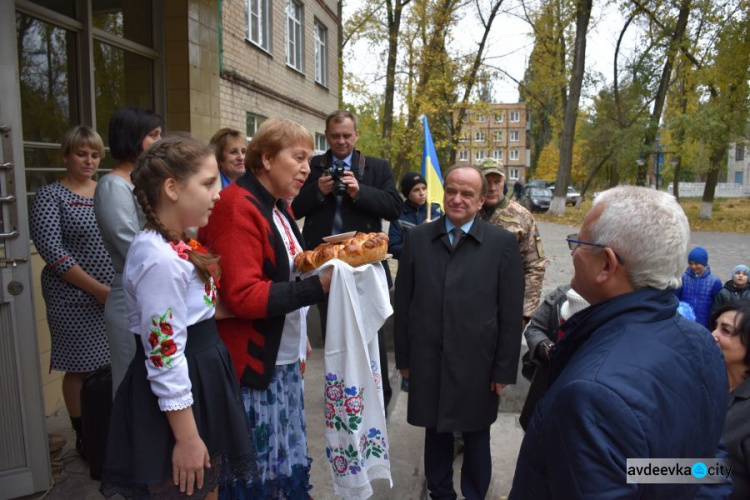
<point>509,45</point>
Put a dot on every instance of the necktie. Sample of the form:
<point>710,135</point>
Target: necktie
<point>457,233</point>
<point>338,224</point>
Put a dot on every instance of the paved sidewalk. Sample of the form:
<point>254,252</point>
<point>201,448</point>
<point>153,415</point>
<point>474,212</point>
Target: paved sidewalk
<point>725,250</point>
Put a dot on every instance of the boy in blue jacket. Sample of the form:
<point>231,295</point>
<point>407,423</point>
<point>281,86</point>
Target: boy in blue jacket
<point>699,286</point>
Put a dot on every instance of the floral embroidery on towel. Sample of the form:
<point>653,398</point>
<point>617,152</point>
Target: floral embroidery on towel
<point>343,405</point>
<point>163,347</point>
<point>350,460</point>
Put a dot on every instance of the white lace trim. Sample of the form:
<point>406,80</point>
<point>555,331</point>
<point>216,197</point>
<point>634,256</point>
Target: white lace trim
<point>178,403</point>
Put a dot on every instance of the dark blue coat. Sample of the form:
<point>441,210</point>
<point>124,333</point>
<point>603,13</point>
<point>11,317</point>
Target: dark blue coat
<point>699,292</point>
<point>630,379</point>
<point>412,216</point>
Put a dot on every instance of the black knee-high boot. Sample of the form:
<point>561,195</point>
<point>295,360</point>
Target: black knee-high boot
<point>77,424</point>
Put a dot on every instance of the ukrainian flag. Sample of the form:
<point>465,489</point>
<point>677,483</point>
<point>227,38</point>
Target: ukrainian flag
<point>431,168</point>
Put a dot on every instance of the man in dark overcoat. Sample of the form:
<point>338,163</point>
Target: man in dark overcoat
<point>458,312</point>
<point>370,196</point>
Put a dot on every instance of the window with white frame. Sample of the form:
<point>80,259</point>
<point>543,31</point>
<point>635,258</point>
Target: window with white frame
<point>321,56</point>
<point>514,173</point>
<point>497,155</point>
<point>479,155</point>
<point>479,136</point>
<point>514,135</point>
<point>464,137</point>
<point>321,144</point>
<point>515,116</point>
<point>480,118</point>
<point>258,23</point>
<point>294,43</point>
<point>499,117</point>
<point>498,136</point>
<point>739,152</point>
<point>463,155</point>
<point>252,122</point>
<point>514,154</point>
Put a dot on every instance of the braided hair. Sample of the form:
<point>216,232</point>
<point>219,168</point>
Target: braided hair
<point>177,157</point>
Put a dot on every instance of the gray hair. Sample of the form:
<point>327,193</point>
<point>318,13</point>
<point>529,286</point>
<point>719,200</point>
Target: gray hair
<point>649,230</point>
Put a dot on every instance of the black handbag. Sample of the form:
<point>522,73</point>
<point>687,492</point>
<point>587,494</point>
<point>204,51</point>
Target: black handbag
<point>96,407</point>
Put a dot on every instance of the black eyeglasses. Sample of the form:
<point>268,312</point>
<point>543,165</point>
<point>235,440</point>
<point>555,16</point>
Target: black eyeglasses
<point>574,243</point>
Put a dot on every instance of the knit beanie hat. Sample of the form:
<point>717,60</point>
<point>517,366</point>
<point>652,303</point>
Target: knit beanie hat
<point>740,267</point>
<point>574,304</point>
<point>699,255</point>
<point>409,180</point>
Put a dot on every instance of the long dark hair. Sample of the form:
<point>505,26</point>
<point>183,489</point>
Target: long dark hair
<point>177,157</point>
<point>741,325</point>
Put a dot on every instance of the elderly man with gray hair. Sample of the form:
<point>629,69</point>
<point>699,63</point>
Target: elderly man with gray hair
<point>630,378</point>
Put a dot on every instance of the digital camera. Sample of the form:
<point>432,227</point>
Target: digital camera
<point>337,172</point>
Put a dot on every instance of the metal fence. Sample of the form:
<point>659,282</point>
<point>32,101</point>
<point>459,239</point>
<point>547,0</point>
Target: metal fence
<point>723,189</point>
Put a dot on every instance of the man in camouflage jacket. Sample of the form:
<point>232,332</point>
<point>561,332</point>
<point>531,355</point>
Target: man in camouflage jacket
<point>511,216</point>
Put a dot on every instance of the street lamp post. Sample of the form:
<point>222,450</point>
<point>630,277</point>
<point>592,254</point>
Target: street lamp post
<point>642,161</point>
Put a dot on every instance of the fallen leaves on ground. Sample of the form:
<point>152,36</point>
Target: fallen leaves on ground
<point>730,215</point>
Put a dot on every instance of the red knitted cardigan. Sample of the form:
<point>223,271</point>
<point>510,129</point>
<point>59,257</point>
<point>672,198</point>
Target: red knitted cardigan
<point>255,284</point>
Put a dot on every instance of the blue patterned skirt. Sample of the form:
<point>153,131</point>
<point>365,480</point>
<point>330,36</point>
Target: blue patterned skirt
<point>276,419</point>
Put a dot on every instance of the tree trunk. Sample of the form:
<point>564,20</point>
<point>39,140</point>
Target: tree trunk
<point>707,202</point>
<point>583,15</point>
<point>340,52</point>
<point>661,93</point>
<point>394,26</point>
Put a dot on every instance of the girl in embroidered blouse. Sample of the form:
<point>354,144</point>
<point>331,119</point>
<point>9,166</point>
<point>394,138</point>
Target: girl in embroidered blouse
<point>178,426</point>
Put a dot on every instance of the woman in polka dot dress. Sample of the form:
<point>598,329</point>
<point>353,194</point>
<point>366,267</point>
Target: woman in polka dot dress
<point>78,270</point>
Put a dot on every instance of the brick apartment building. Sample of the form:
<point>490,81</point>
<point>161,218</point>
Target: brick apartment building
<point>497,131</point>
<point>201,64</point>
<point>279,58</point>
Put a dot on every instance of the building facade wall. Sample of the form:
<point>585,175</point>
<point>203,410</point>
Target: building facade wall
<point>260,82</point>
<point>491,131</point>
<point>738,165</point>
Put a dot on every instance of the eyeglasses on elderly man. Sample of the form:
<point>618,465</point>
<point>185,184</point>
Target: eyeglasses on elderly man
<point>574,242</point>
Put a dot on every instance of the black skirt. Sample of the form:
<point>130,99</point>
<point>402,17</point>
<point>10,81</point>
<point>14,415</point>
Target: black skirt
<point>138,462</point>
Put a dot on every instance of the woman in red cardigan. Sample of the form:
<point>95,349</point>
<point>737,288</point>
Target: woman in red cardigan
<point>254,233</point>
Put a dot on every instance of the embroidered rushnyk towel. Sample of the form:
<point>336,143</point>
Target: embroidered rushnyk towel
<point>356,436</point>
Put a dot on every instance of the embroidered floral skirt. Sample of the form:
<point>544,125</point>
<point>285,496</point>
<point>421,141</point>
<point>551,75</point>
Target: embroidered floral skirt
<point>276,417</point>
<point>138,461</point>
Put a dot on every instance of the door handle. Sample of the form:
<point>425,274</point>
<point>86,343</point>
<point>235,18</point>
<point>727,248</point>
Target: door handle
<point>6,166</point>
<point>8,199</point>
<point>13,262</point>
<point>9,236</point>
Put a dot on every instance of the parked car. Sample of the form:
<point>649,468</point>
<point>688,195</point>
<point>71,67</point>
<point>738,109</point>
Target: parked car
<point>536,183</point>
<point>571,197</point>
<point>536,199</point>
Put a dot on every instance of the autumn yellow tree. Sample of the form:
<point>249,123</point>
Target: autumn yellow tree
<point>549,162</point>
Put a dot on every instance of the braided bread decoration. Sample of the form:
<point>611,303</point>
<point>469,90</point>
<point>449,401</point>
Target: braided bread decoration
<point>362,248</point>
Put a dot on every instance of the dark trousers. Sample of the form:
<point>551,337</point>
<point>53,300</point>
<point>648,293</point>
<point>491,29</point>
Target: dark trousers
<point>475,471</point>
<point>387,391</point>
